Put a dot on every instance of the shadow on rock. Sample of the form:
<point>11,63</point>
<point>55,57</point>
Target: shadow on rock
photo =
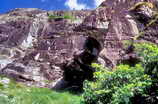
<point>79,67</point>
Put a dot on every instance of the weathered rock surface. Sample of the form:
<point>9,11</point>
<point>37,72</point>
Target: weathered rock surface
<point>33,46</point>
<point>78,69</point>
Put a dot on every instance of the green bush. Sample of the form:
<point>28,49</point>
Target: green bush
<point>148,53</point>
<point>117,87</point>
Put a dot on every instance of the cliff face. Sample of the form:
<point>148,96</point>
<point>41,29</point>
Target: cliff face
<point>123,24</point>
<point>35,43</point>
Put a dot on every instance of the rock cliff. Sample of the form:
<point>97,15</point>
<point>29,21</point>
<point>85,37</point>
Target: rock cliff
<point>35,43</point>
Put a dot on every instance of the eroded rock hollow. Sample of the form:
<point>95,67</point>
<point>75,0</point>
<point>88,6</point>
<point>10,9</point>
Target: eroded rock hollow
<point>78,69</point>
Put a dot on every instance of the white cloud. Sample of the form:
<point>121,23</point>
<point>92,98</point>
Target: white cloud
<point>98,2</point>
<point>73,4</point>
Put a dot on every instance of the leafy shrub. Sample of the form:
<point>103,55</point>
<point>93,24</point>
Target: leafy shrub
<point>149,57</point>
<point>117,87</point>
<point>148,53</point>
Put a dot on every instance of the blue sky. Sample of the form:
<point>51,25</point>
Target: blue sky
<point>6,5</point>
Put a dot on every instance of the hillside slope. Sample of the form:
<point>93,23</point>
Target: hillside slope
<point>34,43</point>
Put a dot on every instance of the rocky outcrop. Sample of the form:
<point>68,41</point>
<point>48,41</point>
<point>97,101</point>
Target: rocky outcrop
<point>32,48</point>
<point>123,25</point>
<point>78,69</point>
<point>34,44</point>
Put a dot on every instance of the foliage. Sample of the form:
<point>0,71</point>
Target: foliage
<point>65,16</point>
<point>15,93</point>
<point>127,43</point>
<point>117,87</point>
<point>147,51</point>
<point>149,55</point>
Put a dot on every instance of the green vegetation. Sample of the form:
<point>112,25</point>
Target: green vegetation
<point>127,43</point>
<point>126,85</point>
<point>117,87</point>
<point>148,53</point>
<point>15,93</point>
<point>65,16</point>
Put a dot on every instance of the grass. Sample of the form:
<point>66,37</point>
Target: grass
<point>15,93</point>
<point>65,16</point>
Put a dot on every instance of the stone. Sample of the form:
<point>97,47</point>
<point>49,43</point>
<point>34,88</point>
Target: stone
<point>34,48</point>
<point>79,67</point>
<point>5,81</point>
